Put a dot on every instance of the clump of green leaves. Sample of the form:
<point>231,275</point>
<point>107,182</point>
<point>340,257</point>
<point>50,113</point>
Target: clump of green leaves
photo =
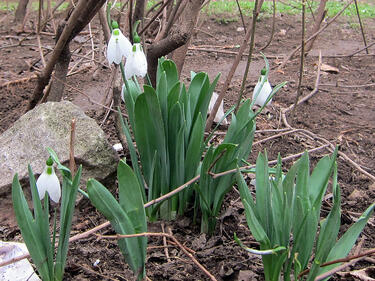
<point>235,147</point>
<point>288,207</point>
<point>168,124</point>
<point>35,228</point>
<point>126,216</point>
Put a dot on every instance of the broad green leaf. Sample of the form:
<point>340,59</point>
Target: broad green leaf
<point>162,94</point>
<point>254,224</point>
<point>176,145</point>
<point>193,152</point>
<point>199,85</point>
<point>133,152</point>
<point>255,227</point>
<point>68,201</point>
<point>328,231</point>
<point>263,193</point>
<point>131,92</point>
<point>171,73</point>
<point>343,246</point>
<point>130,197</point>
<point>205,97</point>
<point>173,97</point>
<point>244,191</point>
<point>131,248</point>
<point>29,229</point>
<point>149,130</point>
<point>223,185</point>
<point>304,233</point>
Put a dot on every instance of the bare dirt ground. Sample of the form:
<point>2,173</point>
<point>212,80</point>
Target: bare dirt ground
<point>342,112</point>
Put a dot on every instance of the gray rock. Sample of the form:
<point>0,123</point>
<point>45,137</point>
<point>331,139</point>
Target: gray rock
<point>48,125</point>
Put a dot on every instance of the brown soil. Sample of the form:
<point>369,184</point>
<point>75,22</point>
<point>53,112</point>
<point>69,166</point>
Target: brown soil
<point>343,115</point>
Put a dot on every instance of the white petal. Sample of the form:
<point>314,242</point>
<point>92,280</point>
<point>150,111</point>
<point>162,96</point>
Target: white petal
<point>118,46</point>
<point>42,188</point>
<point>111,50</point>
<point>220,111</point>
<point>124,45</point>
<point>264,92</point>
<point>54,189</point>
<point>129,71</point>
<point>49,183</point>
<point>136,63</point>
<point>141,61</point>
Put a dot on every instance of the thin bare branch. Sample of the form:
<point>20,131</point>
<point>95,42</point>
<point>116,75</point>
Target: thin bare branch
<point>361,26</point>
<point>302,57</point>
<point>315,34</point>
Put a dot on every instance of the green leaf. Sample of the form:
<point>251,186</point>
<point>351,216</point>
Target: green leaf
<point>328,231</point>
<point>162,94</point>
<point>198,86</point>
<point>131,92</point>
<point>150,133</point>
<point>254,224</point>
<point>342,247</point>
<point>171,72</point>
<point>131,248</point>
<point>176,146</point>
<point>29,229</point>
<point>133,152</point>
<point>263,194</point>
<point>193,152</point>
<point>68,201</point>
<point>173,97</point>
<point>130,196</point>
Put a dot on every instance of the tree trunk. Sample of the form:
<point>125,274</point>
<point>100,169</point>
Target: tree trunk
<point>321,13</point>
<point>139,11</point>
<point>78,19</point>
<point>177,37</point>
<point>21,11</point>
<point>61,69</point>
<point>188,20</point>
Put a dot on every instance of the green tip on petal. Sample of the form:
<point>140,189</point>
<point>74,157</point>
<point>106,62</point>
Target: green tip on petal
<point>49,161</point>
<point>134,48</point>
<point>49,170</point>
<point>263,71</point>
<point>114,24</point>
<point>136,38</point>
<point>116,32</point>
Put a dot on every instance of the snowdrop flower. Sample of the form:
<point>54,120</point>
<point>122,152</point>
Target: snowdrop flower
<point>220,111</point>
<point>49,182</point>
<point>264,92</point>
<point>118,46</point>
<point>136,63</point>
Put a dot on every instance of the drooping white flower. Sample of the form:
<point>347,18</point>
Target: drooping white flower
<point>49,182</point>
<point>220,112</point>
<point>264,92</point>
<point>118,46</point>
<point>136,63</point>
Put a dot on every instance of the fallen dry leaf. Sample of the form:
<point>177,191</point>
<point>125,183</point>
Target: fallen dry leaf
<point>329,68</point>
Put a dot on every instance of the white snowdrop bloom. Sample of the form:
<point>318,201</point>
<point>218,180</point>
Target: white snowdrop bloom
<point>136,63</point>
<point>220,112</point>
<point>49,182</point>
<point>118,46</point>
<point>264,92</point>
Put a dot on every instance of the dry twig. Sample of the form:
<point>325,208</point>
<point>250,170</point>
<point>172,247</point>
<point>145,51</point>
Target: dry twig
<point>167,235</point>
<point>72,163</point>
